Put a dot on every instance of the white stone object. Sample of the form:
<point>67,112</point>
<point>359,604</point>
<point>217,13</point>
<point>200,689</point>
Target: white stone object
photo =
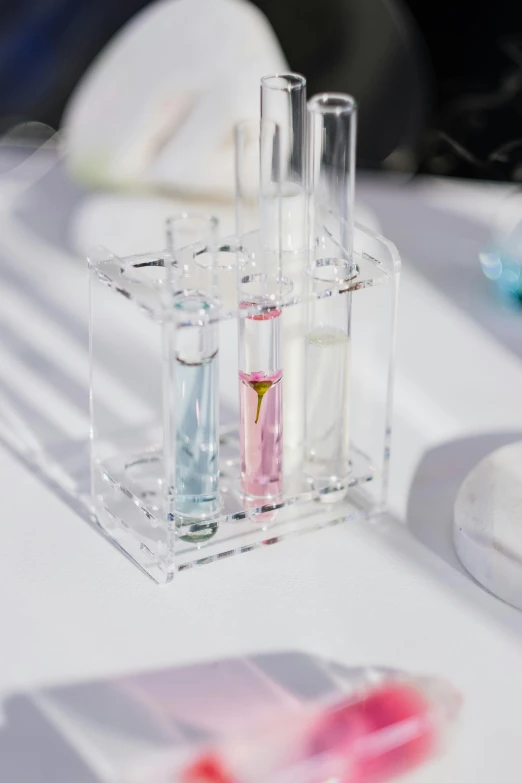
<point>488,523</point>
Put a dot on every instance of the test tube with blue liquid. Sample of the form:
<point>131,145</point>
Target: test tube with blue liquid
<point>192,242</point>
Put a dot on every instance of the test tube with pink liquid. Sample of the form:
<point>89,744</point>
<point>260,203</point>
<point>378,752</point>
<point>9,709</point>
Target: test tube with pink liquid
<point>261,403</point>
<point>260,290</point>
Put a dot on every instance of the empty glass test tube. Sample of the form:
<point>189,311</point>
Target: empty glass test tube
<point>260,287</point>
<point>197,501</point>
<point>332,119</point>
<point>247,142</point>
<point>283,102</point>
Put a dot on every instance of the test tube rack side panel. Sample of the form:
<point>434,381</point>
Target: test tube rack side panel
<point>181,476</point>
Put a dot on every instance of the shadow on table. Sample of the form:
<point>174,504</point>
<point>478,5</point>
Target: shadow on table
<point>433,492</point>
<point>436,483</point>
<point>105,729</point>
<point>44,340</point>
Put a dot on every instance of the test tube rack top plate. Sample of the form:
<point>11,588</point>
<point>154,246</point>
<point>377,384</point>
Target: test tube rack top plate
<point>341,393</point>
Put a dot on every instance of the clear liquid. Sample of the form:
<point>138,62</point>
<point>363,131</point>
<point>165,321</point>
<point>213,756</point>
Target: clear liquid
<point>197,448</point>
<point>327,404</point>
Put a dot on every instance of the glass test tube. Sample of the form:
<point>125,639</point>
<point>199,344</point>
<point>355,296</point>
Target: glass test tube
<point>283,100</point>
<point>193,244</point>
<point>247,142</point>
<point>256,210</point>
<point>260,372</point>
<point>332,128</point>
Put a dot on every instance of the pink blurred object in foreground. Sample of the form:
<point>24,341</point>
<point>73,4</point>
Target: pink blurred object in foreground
<point>369,738</point>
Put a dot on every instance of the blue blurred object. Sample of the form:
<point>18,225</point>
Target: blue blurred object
<point>45,46</point>
<point>501,261</point>
<point>505,270</point>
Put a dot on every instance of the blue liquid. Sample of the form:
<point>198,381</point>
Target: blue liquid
<point>197,447</point>
<point>503,265</point>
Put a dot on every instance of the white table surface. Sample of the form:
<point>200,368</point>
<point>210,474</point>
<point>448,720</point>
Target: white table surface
<point>391,593</point>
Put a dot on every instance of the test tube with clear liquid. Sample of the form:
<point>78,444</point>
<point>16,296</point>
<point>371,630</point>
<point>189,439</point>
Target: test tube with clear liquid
<point>332,129</point>
<point>260,287</point>
<point>193,244</point>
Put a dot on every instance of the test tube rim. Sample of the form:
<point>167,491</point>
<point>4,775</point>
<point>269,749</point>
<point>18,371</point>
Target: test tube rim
<point>283,287</point>
<point>212,220</point>
<point>294,81</point>
<point>330,262</point>
<point>208,243</point>
<point>337,103</point>
<point>207,313</point>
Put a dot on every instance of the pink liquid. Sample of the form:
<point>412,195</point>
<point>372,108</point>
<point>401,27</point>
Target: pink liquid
<point>387,732</point>
<point>261,408</point>
<point>346,730</point>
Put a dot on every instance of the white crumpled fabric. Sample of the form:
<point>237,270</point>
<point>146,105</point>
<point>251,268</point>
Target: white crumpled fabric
<point>158,106</point>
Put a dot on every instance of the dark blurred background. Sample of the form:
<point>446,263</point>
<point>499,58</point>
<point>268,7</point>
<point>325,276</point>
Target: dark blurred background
<point>439,82</point>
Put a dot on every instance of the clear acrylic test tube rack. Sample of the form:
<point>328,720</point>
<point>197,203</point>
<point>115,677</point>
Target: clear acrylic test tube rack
<point>133,453</point>
<point>256,398</point>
